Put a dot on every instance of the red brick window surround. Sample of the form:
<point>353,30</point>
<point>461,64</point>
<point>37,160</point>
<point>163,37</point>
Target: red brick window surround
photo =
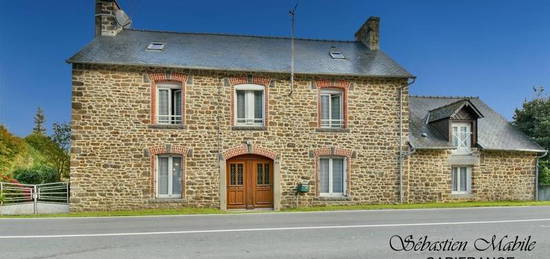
<point>326,89</point>
<point>248,149</point>
<point>334,154</point>
<point>170,80</point>
<point>166,151</point>
<point>244,83</point>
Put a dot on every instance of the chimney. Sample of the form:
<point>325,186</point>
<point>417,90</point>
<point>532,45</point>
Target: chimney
<point>109,18</point>
<point>369,33</point>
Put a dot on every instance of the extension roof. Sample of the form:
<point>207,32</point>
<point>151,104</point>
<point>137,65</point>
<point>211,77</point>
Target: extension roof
<point>494,131</point>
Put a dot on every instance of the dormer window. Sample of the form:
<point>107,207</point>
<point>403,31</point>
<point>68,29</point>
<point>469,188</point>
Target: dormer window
<point>462,136</point>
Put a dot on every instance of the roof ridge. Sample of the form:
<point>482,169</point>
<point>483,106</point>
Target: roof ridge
<point>449,104</point>
<point>444,97</point>
<point>241,35</point>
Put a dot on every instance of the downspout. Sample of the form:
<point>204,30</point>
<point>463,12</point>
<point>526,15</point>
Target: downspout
<point>537,174</point>
<point>401,153</point>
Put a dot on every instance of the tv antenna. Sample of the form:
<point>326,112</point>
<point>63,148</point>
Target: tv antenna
<point>292,13</point>
<point>123,19</point>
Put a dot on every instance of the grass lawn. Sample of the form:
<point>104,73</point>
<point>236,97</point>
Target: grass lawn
<point>190,211</point>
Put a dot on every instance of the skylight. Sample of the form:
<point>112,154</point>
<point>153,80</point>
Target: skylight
<point>336,54</point>
<point>156,46</point>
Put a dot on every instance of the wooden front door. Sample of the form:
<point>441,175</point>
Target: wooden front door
<point>249,182</point>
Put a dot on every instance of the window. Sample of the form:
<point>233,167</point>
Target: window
<point>249,105</point>
<point>155,46</point>
<point>169,176</point>
<point>262,174</point>
<point>236,177</point>
<point>169,104</point>
<point>332,177</point>
<point>462,180</point>
<point>461,137</point>
<point>336,54</point>
<point>332,109</point>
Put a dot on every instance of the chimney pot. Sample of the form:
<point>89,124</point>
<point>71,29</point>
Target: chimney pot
<point>369,33</point>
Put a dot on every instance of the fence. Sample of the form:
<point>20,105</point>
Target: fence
<point>544,192</point>
<point>23,194</point>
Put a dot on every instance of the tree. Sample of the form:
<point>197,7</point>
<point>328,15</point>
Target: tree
<point>39,119</point>
<point>62,137</point>
<point>11,147</point>
<point>56,157</point>
<point>533,118</point>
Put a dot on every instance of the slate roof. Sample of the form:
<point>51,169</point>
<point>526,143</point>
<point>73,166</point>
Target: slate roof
<point>447,111</point>
<point>494,131</point>
<point>237,53</point>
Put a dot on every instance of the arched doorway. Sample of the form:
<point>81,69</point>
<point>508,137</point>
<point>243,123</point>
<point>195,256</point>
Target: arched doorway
<point>249,182</point>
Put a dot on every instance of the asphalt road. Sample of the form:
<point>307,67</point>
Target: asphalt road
<point>345,234</point>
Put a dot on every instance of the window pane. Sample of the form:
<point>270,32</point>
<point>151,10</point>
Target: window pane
<point>163,175</point>
<point>233,175</point>
<point>176,101</point>
<point>258,105</point>
<point>337,175</point>
<point>455,179</point>
<point>463,179</point>
<point>325,107</point>
<point>260,174</point>
<point>335,109</point>
<point>163,102</point>
<point>323,175</point>
<point>176,175</point>
<point>240,104</point>
<point>239,174</point>
<point>455,136</point>
<point>267,178</point>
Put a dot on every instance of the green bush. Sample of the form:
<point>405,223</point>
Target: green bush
<point>27,176</point>
<point>49,175</point>
<point>544,173</point>
<point>36,175</point>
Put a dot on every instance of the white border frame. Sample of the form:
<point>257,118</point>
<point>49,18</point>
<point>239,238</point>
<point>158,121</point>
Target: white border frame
<point>330,176</point>
<point>170,194</point>
<point>458,183</point>
<point>169,86</point>
<point>328,92</point>
<point>249,87</point>
<point>465,150</point>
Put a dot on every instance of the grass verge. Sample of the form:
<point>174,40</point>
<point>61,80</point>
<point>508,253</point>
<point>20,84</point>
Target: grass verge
<point>190,211</point>
<point>468,204</point>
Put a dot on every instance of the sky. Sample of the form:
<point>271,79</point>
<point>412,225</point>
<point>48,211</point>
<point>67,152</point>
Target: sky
<point>497,50</point>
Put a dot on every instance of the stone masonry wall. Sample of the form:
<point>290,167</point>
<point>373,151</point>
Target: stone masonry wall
<point>497,176</point>
<point>111,167</point>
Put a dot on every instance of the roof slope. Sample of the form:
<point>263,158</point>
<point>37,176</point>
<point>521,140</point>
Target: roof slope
<point>494,131</point>
<point>237,53</point>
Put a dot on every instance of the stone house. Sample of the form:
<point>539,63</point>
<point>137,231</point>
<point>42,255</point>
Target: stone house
<point>166,119</point>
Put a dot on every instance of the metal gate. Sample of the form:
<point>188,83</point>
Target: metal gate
<point>23,195</point>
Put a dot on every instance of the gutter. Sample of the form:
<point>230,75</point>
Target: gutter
<point>72,61</point>
<point>537,174</point>
<point>401,153</point>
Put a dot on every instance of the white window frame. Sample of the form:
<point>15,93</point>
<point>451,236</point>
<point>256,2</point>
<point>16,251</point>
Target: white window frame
<point>460,148</point>
<point>170,177</point>
<point>330,177</point>
<point>249,102</point>
<point>172,118</point>
<point>458,183</point>
<point>330,122</point>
